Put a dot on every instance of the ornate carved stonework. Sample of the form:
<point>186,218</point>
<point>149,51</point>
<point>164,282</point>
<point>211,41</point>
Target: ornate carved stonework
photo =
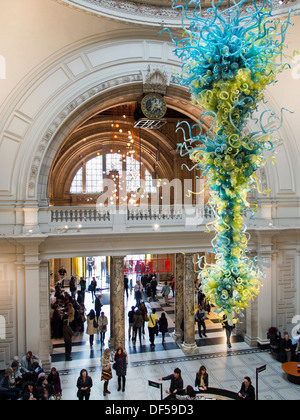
<point>152,12</point>
<point>156,79</point>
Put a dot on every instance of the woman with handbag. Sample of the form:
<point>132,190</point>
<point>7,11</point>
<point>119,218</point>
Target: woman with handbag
<point>165,293</point>
<point>106,371</point>
<point>153,327</point>
<point>92,326</point>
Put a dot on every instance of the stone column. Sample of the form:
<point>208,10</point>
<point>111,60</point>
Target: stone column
<point>117,306</point>
<point>189,346</point>
<point>179,296</point>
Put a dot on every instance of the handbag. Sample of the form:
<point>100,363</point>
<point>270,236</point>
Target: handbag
<point>106,375</point>
<point>95,324</point>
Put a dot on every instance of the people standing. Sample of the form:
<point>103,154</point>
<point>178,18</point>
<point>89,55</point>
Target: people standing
<point>126,281</point>
<point>93,287</point>
<point>106,371</point>
<point>144,312</point>
<point>200,319</point>
<point>138,321</point>
<point>68,335</point>
<point>153,327</point>
<point>153,288</point>
<point>98,306</point>
<point>84,385</point>
<point>228,326</point>
<point>173,285</point>
<point>92,326</point>
<point>73,287</point>
<point>165,293</point>
<point>138,293</point>
<point>121,368</point>
<point>102,323</point>
<point>130,320</point>
<point>163,326</point>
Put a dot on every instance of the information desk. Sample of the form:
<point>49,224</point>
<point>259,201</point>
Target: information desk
<point>218,394</point>
<point>293,372</point>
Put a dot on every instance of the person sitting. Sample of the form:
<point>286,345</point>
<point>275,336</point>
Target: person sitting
<point>27,362</point>
<point>6,390</point>
<point>202,379</point>
<point>247,391</point>
<point>275,338</point>
<point>176,383</point>
<point>187,394</point>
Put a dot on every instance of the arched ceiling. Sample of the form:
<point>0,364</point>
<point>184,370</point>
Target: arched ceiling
<point>109,131</point>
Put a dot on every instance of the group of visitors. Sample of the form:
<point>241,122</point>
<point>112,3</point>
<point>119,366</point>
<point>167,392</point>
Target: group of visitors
<point>283,347</point>
<point>177,391</point>
<point>118,364</point>
<point>27,380</point>
<point>138,317</point>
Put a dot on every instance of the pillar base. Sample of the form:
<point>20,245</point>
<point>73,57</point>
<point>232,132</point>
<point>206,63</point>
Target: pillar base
<point>190,348</point>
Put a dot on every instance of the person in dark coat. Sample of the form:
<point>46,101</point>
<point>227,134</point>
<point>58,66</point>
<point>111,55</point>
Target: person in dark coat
<point>121,367</point>
<point>247,391</point>
<point>84,385</point>
<point>68,334</point>
<point>176,383</point>
<point>163,326</point>
<point>98,306</point>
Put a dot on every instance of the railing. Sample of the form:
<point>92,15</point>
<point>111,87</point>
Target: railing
<point>56,219</point>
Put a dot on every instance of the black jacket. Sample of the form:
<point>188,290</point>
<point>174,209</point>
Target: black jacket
<point>176,383</point>
<point>249,394</point>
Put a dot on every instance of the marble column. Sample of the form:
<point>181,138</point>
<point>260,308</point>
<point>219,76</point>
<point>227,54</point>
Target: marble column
<point>179,296</point>
<point>117,306</point>
<point>189,346</point>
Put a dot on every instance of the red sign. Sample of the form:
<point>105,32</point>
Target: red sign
<point>148,266</point>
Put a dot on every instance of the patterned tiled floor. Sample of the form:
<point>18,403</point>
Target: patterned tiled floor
<point>226,368</point>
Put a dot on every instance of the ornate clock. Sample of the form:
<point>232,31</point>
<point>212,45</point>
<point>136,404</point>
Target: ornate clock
<point>154,106</point>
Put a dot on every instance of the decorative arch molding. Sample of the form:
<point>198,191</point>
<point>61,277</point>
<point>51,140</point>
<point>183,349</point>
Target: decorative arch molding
<point>91,77</point>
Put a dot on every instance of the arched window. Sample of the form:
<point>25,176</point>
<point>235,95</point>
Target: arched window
<point>77,185</point>
<point>94,175</point>
<point>89,178</point>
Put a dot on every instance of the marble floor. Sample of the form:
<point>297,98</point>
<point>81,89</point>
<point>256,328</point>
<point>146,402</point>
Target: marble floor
<point>226,368</point>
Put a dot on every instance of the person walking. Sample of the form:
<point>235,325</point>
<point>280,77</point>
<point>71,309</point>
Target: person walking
<point>130,321</point>
<point>153,288</point>
<point>98,306</point>
<point>126,282</point>
<point>200,319</point>
<point>84,385</point>
<point>102,323</point>
<point>138,321</point>
<point>68,335</point>
<point>93,287</point>
<point>92,327</point>
<point>144,312</point>
<point>121,368</point>
<point>163,326</point>
<point>138,293</point>
<point>165,293</point>
<point>228,326</point>
<point>106,371</point>
<point>153,327</point>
